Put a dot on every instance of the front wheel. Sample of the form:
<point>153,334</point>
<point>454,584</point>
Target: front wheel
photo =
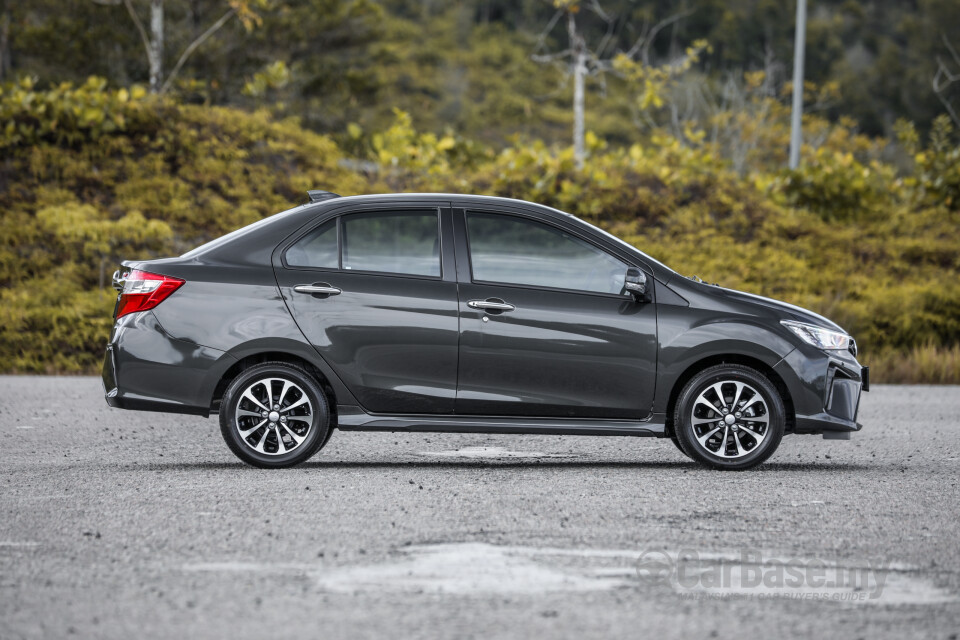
<point>274,415</point>
<point>676,442</point>
<point>729,417</point>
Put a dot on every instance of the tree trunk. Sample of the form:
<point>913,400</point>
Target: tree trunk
<point>155,50</point>
<point>579,48</point>
<point>579,71</point>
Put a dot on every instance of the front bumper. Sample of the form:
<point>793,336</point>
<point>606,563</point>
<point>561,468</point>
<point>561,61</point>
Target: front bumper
<point>825,388</point>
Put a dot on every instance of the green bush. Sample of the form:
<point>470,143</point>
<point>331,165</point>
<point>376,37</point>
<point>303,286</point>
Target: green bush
<point>65,114</point>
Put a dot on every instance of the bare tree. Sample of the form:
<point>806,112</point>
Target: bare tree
<point>732,112</point>
<point>581,61</point>
<point>945,77</point>
<point>153,42</point>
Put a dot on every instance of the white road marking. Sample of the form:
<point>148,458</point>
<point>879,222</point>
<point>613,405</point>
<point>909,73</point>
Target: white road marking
<point>480,568</point>
<point>493,453</point>
<point>465,568</point>
<point>249,567</point>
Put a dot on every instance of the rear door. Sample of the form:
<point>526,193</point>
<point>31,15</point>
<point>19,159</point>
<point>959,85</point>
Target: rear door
<point>546,328</point>
<point>374,290</point>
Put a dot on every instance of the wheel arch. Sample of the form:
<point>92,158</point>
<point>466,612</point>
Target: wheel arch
<point>747,361</point>
<point>261,357</point>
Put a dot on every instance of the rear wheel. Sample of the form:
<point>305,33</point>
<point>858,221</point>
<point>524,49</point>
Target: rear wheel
<point>274,415</point>
<point>729,417</point>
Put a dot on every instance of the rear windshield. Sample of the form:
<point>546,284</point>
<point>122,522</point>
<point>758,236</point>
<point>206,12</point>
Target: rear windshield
<point>239,232</point>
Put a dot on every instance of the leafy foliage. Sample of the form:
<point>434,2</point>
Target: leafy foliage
<point>468,64</point>
<point>867,242</point>
<point>64,114</point>
<point>654,80</point>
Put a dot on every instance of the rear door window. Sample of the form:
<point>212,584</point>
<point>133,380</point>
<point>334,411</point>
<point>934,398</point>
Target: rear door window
<point>317,250</point>
<point>398,242</point>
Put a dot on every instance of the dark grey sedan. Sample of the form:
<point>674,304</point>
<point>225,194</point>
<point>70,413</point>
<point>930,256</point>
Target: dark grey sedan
<point>441,312</point>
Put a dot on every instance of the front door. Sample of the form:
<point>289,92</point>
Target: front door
<point>546,328</point>
<point>371,292</point>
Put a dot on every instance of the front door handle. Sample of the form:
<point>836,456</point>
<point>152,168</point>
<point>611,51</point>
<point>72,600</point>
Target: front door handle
<point>321,288</point>
<point>492,304</point>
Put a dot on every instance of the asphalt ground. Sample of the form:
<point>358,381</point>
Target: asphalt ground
<point>117,524</point>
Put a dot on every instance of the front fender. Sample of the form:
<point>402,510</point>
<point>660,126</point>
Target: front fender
<point>689,336</point>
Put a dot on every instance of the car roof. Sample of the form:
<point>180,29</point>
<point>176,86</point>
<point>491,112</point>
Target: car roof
<point>441,197</point>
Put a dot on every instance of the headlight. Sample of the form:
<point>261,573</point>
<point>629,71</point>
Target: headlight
<point>818,336</point>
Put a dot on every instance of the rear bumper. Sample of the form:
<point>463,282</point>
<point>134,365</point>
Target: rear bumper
<point>145,369</point>
<point>825,388</point>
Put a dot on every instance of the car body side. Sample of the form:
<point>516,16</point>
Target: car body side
<point>174,359</point>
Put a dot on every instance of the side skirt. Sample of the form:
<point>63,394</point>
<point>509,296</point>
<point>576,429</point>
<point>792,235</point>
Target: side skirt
<point>353,418</point>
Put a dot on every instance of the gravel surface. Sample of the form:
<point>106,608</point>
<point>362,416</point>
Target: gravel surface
<point>118,524</point>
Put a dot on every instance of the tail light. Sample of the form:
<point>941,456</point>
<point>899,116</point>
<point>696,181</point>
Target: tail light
<point>143,290</point>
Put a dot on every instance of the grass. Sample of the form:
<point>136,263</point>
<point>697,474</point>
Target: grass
<point>928,364</point>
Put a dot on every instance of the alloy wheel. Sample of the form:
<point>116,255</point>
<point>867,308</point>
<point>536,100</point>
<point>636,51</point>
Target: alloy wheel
<point>730,419</point>
<point>273,416</point>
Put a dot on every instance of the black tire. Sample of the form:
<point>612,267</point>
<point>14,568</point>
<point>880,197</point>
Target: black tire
<point>308,419</point>
<point>751,436</point>
<point>326,439</point>
<point>676,442</point>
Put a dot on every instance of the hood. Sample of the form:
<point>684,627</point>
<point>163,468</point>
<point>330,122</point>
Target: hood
<point>785,309</point>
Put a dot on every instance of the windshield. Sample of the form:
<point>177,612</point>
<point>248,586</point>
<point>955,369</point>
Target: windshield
<point>622,243</point>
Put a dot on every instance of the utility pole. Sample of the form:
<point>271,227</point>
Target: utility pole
<point>579,71</point>
<point>799,42</point>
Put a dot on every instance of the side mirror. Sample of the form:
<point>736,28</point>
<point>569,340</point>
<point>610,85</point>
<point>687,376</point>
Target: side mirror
<point>636,283</point>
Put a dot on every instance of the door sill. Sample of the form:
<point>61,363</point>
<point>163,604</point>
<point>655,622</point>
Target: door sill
<point>353,418</point>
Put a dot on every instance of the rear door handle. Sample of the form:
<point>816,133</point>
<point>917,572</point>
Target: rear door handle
<point>492,304</point>
<point>321,288</point>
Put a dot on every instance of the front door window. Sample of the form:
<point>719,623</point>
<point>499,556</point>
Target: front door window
<point>513,250</point>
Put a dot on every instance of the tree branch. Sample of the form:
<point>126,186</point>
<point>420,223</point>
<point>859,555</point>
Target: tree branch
<point>136,21</point>
<point>948,78</point>
<point>608,36</point>
<point>939,89</point>
<point>645,41</point>
<point>953,52</point>
<point>541,39</point>
<point>550,57</point>
<point>597,9</point>
<point>950,110</point>
<point>193,46</point>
